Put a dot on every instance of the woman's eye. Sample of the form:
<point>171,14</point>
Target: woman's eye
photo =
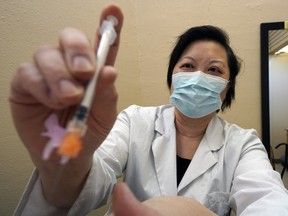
<point>187,66</point>
<point>215,70</point>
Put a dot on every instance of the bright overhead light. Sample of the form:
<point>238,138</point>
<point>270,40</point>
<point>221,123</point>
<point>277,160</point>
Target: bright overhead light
<point>282,51</point>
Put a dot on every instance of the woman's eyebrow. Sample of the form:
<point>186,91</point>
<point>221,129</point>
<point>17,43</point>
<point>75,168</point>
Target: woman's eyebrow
<point>217,61</point>
<point>212,61</point>
<point>188,57</point>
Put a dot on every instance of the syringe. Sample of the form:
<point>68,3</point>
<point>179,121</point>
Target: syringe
<point>76,128</point>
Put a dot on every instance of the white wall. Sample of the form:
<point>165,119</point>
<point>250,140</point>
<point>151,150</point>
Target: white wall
<point>278,77</point>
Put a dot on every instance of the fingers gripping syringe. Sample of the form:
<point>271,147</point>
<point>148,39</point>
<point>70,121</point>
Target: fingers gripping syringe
<point>71,143</point>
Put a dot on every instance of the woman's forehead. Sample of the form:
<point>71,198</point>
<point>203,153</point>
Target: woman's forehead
<point>205,49</point>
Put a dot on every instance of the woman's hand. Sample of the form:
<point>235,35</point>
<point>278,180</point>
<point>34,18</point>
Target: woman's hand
<point>55,83</point>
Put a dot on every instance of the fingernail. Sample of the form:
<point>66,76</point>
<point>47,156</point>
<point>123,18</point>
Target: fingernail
<point>68,88</point>
<point>81,63</point>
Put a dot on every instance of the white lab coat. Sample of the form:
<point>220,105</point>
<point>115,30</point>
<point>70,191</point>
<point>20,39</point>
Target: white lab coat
<point>230,168</point>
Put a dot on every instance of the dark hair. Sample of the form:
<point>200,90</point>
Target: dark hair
<point>210,33</point>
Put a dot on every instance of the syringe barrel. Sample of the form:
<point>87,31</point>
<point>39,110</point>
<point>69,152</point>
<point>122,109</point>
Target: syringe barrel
<point>108,37</point>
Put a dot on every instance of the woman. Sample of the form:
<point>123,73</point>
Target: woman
<point>183,149</point>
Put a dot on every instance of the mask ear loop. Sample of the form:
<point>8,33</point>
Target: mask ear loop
<point>230,85</point>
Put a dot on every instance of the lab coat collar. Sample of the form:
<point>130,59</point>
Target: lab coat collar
<point>214,134</point>
<point>202,161</point>
<point>214,131</point>
<point>206,155</point>
<point>165,119</point>
<point>164,152</point>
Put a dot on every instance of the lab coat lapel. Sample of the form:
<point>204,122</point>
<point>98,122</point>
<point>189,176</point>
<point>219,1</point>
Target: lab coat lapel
<point>201,162</point>
<point>164,153</point>
<point>206,155</point>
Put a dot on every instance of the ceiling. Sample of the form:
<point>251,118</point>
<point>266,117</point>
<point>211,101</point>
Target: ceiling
<point>277,40</point>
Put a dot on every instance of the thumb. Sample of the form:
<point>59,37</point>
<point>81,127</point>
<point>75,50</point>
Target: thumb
<point>124,203</point>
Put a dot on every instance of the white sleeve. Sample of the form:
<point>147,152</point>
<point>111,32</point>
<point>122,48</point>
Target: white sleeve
<point>94,194</point>
<point>34,203</point>
<point>257,189</point>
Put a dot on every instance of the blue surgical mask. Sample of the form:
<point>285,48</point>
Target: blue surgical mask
<point>197,94</point>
